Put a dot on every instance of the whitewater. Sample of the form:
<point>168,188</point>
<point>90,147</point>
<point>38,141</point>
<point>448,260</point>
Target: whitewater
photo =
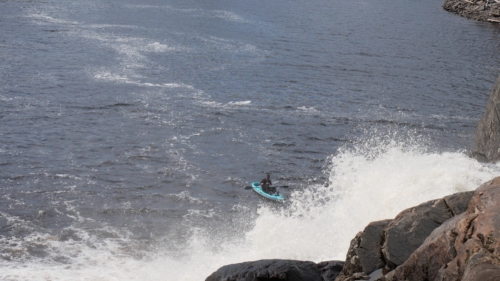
<point>129,129</point>
<point>317,225</point>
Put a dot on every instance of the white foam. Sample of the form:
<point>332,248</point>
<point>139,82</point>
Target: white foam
<point>118,78</point>
<point>132,55</point>
<point>45,19</point>
<point>102,26</point>
<point>157,47</point>
<point>185,196</point>
<point>220,14</point>
<point>307,108</point>
<point>228,16</point>
<point>247,102</point>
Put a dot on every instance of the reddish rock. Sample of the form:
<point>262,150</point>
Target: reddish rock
<point>387,244</point>
<point>466,247</point>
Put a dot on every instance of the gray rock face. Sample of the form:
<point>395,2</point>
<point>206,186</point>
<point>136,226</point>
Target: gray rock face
<point>410,228</point>
<point>275,270</point>
<point>330,269</point>
<point>487,136</point>
<point>458,202</point>
<point>365,255</point>
<point>369,251</point>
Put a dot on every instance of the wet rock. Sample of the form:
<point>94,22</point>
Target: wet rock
<point>364,254</point>
<point>274,270</point>
<point>487,137</point>
<point>330,269</point>
<point>410,228</point>
<point>370,247</point>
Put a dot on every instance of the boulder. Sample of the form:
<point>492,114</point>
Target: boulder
<point>370,246</point>
<point>427,260</point>
<point>458,203</point>
<point>330,269</point>
<point>410,228</point>
<point>364,255</point>
<point>389,243</point>
<point>487,136</point>
<point>466,247</point>
<point>274,270</point>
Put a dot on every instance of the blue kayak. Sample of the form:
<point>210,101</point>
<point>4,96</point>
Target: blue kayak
<point>256,187</point>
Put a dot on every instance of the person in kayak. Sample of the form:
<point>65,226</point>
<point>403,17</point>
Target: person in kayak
<point>266,185</point>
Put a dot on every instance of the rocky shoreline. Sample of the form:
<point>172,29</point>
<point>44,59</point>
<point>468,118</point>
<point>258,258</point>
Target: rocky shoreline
<point>481,10</point>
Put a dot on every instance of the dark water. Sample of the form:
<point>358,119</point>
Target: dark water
<point>136,124</point>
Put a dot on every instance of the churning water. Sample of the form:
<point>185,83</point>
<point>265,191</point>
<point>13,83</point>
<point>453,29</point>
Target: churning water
<point>128,129</point>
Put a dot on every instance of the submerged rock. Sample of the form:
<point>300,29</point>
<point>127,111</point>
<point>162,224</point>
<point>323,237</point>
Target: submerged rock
<point>274,270</point>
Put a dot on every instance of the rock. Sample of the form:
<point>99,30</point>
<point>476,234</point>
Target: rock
<point>370,246</point>
<point>477,10</point>
<point>410,228</point>
<point>274,270</point>
<point>482,267</point>
<point>364,254</point>
<point>389,243</point>
<point>495,13</point>
<point>467,247</point>
<point>429,258</point>
<point>458,202</point>
<point>352,263</point>
<point>330,269</point>
<point>487,137</point>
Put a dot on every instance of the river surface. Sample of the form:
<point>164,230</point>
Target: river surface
<point>129,129</point>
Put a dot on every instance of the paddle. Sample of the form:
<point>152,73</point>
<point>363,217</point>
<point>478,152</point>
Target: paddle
<point>281,186</point>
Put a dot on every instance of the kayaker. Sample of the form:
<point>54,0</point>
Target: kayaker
<point>266,185</point>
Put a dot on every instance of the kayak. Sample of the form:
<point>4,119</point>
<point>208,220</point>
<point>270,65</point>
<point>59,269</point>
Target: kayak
<point>256,187</point>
